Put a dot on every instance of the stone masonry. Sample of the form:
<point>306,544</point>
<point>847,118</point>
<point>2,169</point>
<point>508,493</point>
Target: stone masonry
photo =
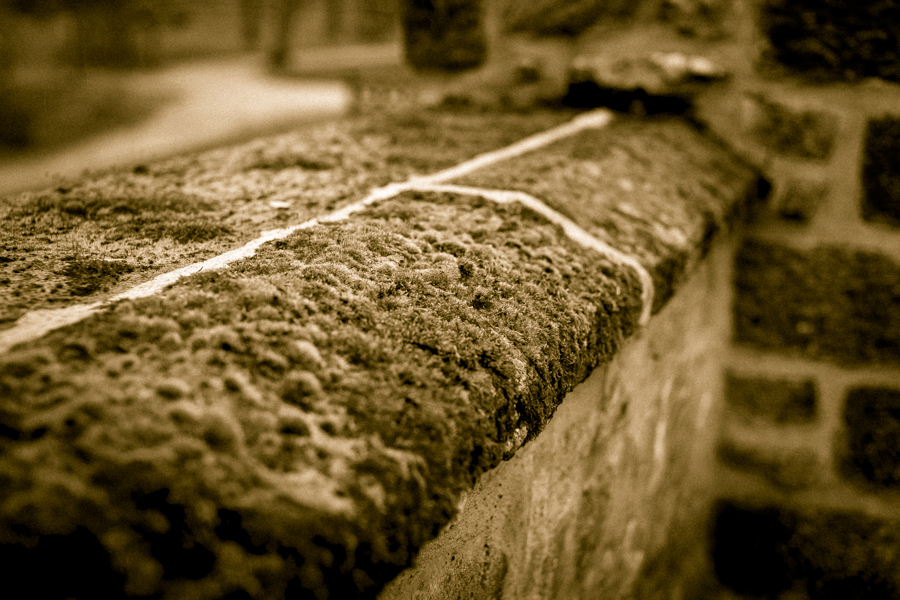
<point>807,450</point>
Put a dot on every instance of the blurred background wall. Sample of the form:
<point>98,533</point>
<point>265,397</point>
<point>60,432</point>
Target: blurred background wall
<point>59,58</point>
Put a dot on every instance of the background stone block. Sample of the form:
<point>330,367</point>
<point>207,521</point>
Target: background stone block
<point>872,418</point>
<point>881,170</point>
<point>801,199</point>
<point>764,551</point>
<point>444,36</point>
<point>828,302</point>
<point>844,39</point>
<point>787,130</point>
<point>789,470</point>
<point>773,400</point>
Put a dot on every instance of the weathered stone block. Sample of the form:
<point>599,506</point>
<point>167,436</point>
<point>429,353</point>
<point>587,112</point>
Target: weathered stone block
<point>446,35</point>
<point>610,500</point>
<point>801,199</point>
<point>844,39</point>
<point>764,551</point>
<point>774,400</point>
<point>872,420</point>
<point>657,189</point>
<point>881,170</point>
<point>828,302</point>
<point>789,131</point>
<point>785,469</point>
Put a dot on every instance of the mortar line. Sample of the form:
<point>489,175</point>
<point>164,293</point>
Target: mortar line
<point>37,323</point>
<point>572,230</point>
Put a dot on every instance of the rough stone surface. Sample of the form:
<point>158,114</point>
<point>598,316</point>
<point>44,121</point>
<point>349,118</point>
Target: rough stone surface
<point>829,302</point>
<point>307,418</point>
<point>881,171</point>
<point>777,401</point>
<point>91,238</point>
<point>837,39</point>
<point>654,188</point>
<point>872,437</point>
<point>608,502</point>
<point>763,551</point>
<point>446,35</point>
<point>789,131</point>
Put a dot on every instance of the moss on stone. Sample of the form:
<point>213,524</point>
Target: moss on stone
<point>828,302</point>
<point>654,188</point>
<point>302,422</point>
<point>196,206</point>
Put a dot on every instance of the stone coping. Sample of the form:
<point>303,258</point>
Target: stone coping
<point>298,415</point>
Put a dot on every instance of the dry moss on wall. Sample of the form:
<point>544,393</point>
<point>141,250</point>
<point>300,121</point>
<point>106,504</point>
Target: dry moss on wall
<point>656,189</point>
<point>81,240</point>
<point>842,39</point>
<point>299,423</point>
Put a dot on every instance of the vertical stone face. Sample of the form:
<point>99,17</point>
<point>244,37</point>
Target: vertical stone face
<point>844,39</point>
<point>881,170</point>
<point>772,400</point>
<point>444,35</point>
<point>872,420</point>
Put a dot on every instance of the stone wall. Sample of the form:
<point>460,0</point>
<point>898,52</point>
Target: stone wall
<point>808,447</point>
<point>807,452</point>
<point>610,500</point>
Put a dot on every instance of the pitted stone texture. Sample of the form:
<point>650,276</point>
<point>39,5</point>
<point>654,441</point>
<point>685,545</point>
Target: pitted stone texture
<point>797,132</point>
<point>655,189</point>
<point>609,501</point>
<point>303,421</point>
<point>835,39</point>
<point>763,551</point>
<point>871,449</point>
<point>828,302</point>
<point>94,237</point>
<point>777,401</point>
<point>881,171</point>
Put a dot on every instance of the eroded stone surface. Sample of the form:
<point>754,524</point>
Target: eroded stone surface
<point>307,418</point>
<point>655,189</point>
<point>87,240</point>
<point>607,501</point>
